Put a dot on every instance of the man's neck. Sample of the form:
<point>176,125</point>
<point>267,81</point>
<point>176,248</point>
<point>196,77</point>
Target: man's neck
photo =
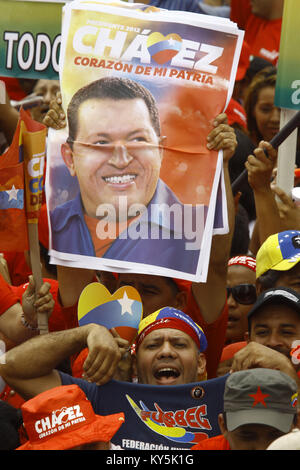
<point>276,10</point>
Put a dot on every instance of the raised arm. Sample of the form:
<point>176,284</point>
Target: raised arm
<point>71,282</point>
<point>272,216</point>
<point>211,296</point>
<point>30,367</point>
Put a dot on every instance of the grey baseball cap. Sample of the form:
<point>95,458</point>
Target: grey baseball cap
<point>260,396</point>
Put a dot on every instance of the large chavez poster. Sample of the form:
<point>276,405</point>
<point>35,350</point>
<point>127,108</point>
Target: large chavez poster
<point>131,183</point>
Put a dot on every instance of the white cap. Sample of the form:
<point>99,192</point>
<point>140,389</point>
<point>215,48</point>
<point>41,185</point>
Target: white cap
<point>290,441</point>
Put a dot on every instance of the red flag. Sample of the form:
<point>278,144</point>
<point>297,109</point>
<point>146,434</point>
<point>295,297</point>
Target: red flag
<point>13,226</point>
<point>19,201</point>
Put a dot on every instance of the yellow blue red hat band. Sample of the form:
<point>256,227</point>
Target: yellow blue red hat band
<point>169,317</point>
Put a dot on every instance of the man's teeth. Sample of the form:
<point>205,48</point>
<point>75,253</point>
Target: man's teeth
<point>167,372</point>
<point>119,179</point>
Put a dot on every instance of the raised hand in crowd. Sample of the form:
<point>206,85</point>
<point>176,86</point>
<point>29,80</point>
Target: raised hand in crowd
<point>256,355</point>
<point>19,322</point>
<point>289,211</point>
<point>55,117</point>
<point>33,303</point>
<point>273,216</point>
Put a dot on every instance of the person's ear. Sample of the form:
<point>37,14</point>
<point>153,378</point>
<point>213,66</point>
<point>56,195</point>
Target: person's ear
<point>222,425</point>
<point>67,155</point>
<point>201,365</point>
<point>180,300</point>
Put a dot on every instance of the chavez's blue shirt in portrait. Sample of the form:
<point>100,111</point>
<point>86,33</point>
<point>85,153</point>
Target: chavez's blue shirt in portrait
<point>71,235</point>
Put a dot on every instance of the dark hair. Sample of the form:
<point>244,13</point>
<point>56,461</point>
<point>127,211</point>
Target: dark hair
<point>10,422</point>
<point>265,78</point>
<point>113,88</point>
<point>241,236</point>
<point>269,279</point>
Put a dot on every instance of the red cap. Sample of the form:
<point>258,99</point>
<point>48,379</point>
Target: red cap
<point>63,418</point>
<point>236,113</point>
<point>230,350</point>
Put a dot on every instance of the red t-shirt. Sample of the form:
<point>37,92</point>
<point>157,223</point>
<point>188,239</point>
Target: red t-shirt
<point>215,334</point>
<point>263,37</point>
<point>17,267</point>
<point>213,443</point>
<point>7,295</point>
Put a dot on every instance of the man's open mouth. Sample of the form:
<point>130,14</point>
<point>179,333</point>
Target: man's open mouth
<point>166,372</point>
<point>121,179</point>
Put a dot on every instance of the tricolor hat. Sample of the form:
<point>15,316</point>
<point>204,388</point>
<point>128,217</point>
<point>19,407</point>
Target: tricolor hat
<point>169,317</point>
<point>280,252</point>
<point>63,418</point>
<point>260,396</point>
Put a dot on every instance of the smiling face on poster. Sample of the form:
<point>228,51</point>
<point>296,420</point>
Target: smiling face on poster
<point>111,155</point>
<point>133,185</point>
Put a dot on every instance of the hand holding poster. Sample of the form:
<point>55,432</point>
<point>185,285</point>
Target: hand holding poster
<point>141,91</point>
